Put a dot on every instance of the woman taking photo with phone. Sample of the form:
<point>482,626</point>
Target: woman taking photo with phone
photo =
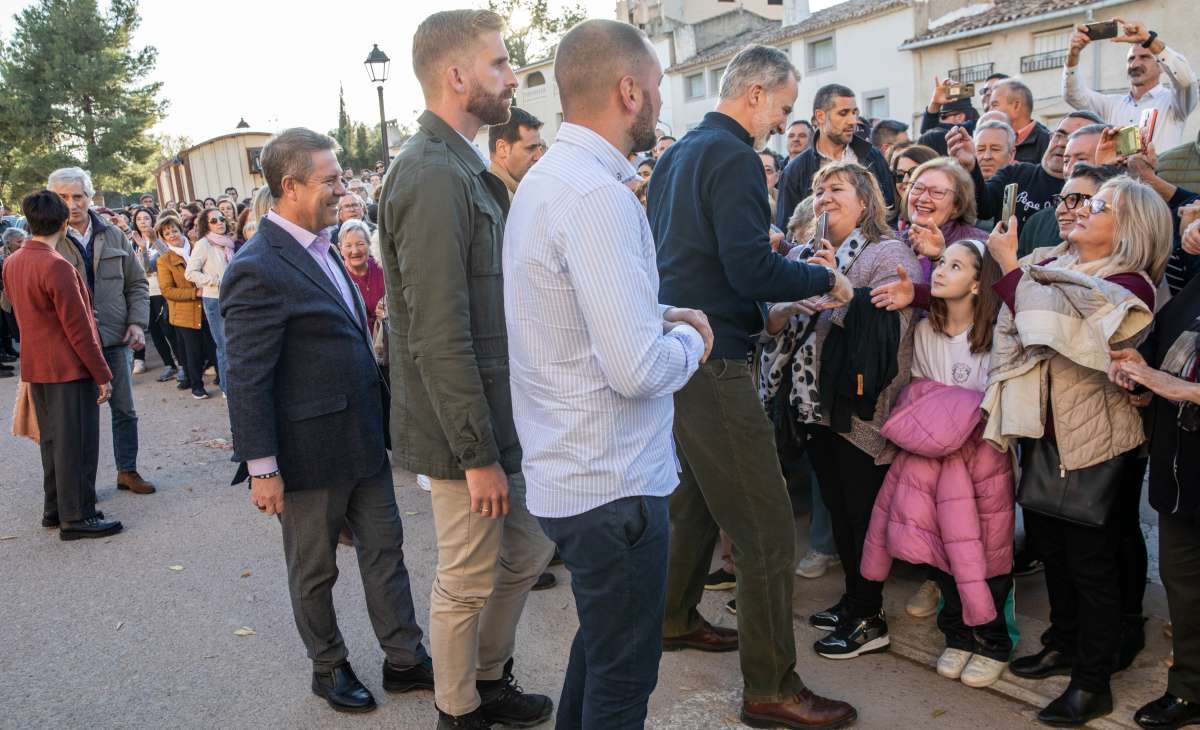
<point>797,367</point>
<point>1078,501</point>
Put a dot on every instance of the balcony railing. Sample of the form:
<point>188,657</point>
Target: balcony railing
<point>1043,61</point>
<point>971,74</point>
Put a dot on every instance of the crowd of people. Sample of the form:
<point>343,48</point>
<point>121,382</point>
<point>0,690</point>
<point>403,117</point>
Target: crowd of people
<point>624,349</point>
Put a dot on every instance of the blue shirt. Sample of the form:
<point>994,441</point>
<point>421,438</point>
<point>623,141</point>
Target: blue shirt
<point>592,372</point>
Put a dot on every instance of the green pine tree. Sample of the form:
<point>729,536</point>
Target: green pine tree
<point>76,92</point>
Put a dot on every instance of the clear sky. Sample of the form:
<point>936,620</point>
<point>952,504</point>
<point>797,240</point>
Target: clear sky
<point>282,60</point>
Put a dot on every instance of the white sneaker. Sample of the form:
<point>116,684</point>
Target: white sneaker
<point>139,367</point>
<point>924,602</point>
<point>424,483</point>
<point>951,663</point>
<point>815,564</point>
<point>982,671</point>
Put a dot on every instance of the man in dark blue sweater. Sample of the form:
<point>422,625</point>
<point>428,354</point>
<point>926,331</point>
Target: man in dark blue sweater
<point>708,208</point>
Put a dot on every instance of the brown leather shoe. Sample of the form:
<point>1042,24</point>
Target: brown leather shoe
<point>705,638</point>
<point>133,481</point>
<point>804,710</point>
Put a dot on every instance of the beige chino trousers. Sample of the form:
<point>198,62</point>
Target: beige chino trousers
<point>485,570</point>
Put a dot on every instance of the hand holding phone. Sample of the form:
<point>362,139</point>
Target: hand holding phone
<point>1010,203</point>
<point>1101,30</point>
<point>820,231</point>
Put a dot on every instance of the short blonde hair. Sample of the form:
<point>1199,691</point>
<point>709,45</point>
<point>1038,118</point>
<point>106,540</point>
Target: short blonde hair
<point>873,224</point>
<point>964,189</point>
<point>447,34</point>
<point>801,221</point>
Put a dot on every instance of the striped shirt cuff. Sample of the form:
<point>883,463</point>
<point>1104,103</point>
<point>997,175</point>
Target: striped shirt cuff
<point>693,343</point>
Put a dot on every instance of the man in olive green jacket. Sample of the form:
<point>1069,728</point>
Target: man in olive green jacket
<point>441,227</point>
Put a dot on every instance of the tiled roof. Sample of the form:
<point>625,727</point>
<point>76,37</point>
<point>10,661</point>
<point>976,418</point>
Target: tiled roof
<point>822,19</point>
<point>1004,11</point>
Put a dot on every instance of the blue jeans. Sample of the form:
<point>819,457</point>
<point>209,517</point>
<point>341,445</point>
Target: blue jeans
<point>124,417</point>
<point>617,555</point>
<point>216,325</point>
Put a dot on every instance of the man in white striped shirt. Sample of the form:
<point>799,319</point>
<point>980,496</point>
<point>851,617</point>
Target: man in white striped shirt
<point>594,361</point>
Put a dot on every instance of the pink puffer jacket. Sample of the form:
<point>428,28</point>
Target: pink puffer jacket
<point>948,497</point>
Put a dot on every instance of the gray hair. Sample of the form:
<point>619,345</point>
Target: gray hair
<point>1009,135</point>
<point>1015,86</point>
<point>71,175</point>
<point>765,66</point>
<point>1088,131</point>
<point>289,154</point>
<point>1144,232</point>
<point>12,234</point>
<point>354,224</point>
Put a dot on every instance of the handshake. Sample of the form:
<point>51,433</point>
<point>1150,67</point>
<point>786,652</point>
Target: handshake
<point>841,293</point>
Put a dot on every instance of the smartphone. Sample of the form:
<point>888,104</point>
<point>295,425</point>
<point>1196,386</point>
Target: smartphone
<point>1010,203</point>
<point>820,231</point>
<point>956,91</point>
<point>1100,30</point>
<point>775,229</point>
<point>1148,121</point>
<point>1129,141</point>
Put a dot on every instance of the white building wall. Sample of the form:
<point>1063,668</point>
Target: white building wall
<point>1102,63</point>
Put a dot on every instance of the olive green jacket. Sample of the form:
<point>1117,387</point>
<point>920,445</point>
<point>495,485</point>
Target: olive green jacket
<point>441,229</point>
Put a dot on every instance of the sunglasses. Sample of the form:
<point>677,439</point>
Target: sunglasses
<point>1096,206</point>
<point>1071,201</point>
<point>902,175</point>
<point>218,219</point>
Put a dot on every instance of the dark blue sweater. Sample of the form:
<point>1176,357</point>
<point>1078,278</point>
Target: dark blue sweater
<point>709,212</point>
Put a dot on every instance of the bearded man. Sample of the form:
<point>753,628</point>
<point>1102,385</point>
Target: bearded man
<point>441,230</point>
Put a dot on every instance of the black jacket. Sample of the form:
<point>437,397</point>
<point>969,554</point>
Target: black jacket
<point>708,209</point>
<point>858,361</point>
<point>796,182</point>
<point>1035,187</point>
<point>1174,452</point>
<point>301,366</point>
<point>1035,145</point>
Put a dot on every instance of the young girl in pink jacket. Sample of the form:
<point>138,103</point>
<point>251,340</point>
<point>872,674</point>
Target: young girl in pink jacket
<point>948,499</point>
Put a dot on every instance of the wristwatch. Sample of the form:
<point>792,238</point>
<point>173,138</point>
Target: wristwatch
<point>1150,40</point>
<point>832,279</point>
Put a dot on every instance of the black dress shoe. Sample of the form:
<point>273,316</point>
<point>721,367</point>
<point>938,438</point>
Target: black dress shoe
<point>1166,712</point>
<point>504,702</point>
<point>1076,707</point>
<point>92,527</point>
<point>419,676</point>
<point>342,690</point>
<point>544,581</point>
<point>183,385</point>
<point>1046,663</point>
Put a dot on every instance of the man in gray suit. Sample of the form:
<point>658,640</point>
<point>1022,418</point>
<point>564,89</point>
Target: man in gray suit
<point>302,371</point>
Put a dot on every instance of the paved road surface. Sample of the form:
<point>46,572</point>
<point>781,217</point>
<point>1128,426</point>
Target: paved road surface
<point>104,634</point>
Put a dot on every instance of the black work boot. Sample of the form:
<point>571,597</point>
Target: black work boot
<point>504,702</point>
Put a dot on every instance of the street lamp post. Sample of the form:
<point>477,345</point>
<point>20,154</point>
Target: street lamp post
<point>377,64</point>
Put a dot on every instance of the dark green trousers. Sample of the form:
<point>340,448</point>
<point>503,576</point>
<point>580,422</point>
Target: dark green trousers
<point>731,480</point>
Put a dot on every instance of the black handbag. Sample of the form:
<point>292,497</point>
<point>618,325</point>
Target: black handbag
<point>1083,496</point>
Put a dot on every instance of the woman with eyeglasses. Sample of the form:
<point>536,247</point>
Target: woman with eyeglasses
<point>1079,502</point>
<point>185,308</point>
<point>210,256</point>
<point>938,209</point>
<point>903,163</point>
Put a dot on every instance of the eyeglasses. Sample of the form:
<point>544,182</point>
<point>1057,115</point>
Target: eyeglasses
<point>1071,201</point>
<point>902,175</point>
<point>1096,206</point>
<point>934,193</point>
<point>218,219</point>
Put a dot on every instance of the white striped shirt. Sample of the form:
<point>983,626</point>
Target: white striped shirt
<point>592,372</point>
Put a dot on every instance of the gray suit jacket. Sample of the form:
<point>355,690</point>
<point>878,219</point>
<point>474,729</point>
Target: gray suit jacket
<point>303,384</point>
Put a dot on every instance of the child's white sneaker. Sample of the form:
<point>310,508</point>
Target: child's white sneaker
<point>982,671</point>
<point>951,663</point>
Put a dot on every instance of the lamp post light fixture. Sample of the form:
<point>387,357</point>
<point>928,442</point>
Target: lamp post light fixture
<point>377,64</point>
